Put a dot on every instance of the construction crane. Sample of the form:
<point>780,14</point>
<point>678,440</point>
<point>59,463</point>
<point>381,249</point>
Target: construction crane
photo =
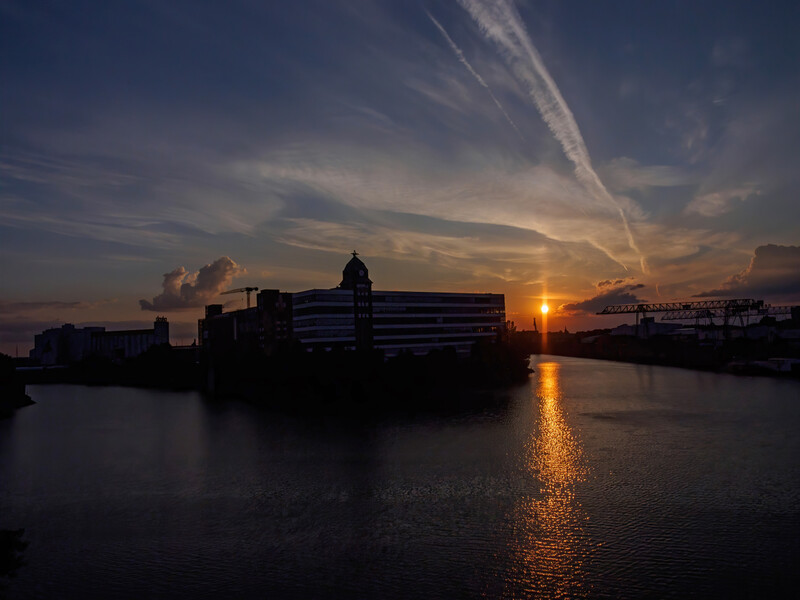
<point>246,290</point>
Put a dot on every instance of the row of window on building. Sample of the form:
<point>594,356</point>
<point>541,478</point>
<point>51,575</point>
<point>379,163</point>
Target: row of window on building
<point>349,317</point>
<point>352,316</point>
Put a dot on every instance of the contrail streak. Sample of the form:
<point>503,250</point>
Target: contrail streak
<point>465,62</point>
<point>608,253</point>
<point>500,22</point>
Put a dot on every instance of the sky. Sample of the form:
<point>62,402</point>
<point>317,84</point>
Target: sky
<point>154,154</point>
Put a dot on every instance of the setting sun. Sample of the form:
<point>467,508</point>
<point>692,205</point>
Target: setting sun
<point>545,308</point>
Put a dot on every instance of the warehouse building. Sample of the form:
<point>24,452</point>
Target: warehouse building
<point>69,344</point>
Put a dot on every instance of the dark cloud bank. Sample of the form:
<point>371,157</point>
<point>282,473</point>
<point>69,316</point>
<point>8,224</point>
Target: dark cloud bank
<point>193,290</point>
<point>619,292</point>
<point>773,273</point>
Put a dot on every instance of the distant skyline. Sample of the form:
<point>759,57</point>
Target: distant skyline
<point>155,154</point>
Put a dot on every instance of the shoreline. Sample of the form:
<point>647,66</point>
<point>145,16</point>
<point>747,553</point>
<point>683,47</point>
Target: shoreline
<point>747,367</point>
<point>329,383</point>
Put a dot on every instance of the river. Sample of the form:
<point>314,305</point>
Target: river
<point>594,480</point>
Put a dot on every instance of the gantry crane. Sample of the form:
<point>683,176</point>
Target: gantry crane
<point>727,309</point>
<point>709,314</point>
<point>246,290</point>
<point>735,305</point>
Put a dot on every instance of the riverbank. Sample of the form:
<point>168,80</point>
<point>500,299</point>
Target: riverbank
<point>772,358</point>
<point>12,389</point>
<point>363,383</point>
<point>159,367</point>
<point>326,383</point>
<point>12,398</point>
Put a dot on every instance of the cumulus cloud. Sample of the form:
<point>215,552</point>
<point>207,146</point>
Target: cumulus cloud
<point>773,271</point>
<point>183,289</point>
<point>609,292</point>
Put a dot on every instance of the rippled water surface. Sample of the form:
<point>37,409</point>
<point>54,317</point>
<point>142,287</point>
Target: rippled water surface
<point>597,480</point>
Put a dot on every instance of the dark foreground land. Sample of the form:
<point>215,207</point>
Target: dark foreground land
<point>12,388</point>
<point>160,367</point>
<point>319,382</point>
<point>363,383</point>
<point>340,382</point>
<point>739,356</point>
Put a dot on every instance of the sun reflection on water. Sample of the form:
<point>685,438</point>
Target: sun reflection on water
<point>549,542</point>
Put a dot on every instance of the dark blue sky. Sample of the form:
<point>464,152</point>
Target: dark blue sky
<point>533,149</point>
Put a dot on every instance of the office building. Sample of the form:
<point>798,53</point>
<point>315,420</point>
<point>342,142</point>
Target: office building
<point>353,316</point>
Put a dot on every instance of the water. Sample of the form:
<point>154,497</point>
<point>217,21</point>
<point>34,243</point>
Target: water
<point>598,480</point>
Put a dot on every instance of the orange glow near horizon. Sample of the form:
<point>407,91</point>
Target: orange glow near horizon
<point>544,310</point>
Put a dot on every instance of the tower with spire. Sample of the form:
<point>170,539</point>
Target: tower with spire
<point>355,276</point>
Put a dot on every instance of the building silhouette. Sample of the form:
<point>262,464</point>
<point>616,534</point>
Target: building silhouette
<point>353,316</point>
<point>69,344</point>
<point>264,328</point>
<point>355,277</point>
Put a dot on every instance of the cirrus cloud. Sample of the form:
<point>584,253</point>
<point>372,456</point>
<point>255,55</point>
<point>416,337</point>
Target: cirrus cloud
<point>717,203</point>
